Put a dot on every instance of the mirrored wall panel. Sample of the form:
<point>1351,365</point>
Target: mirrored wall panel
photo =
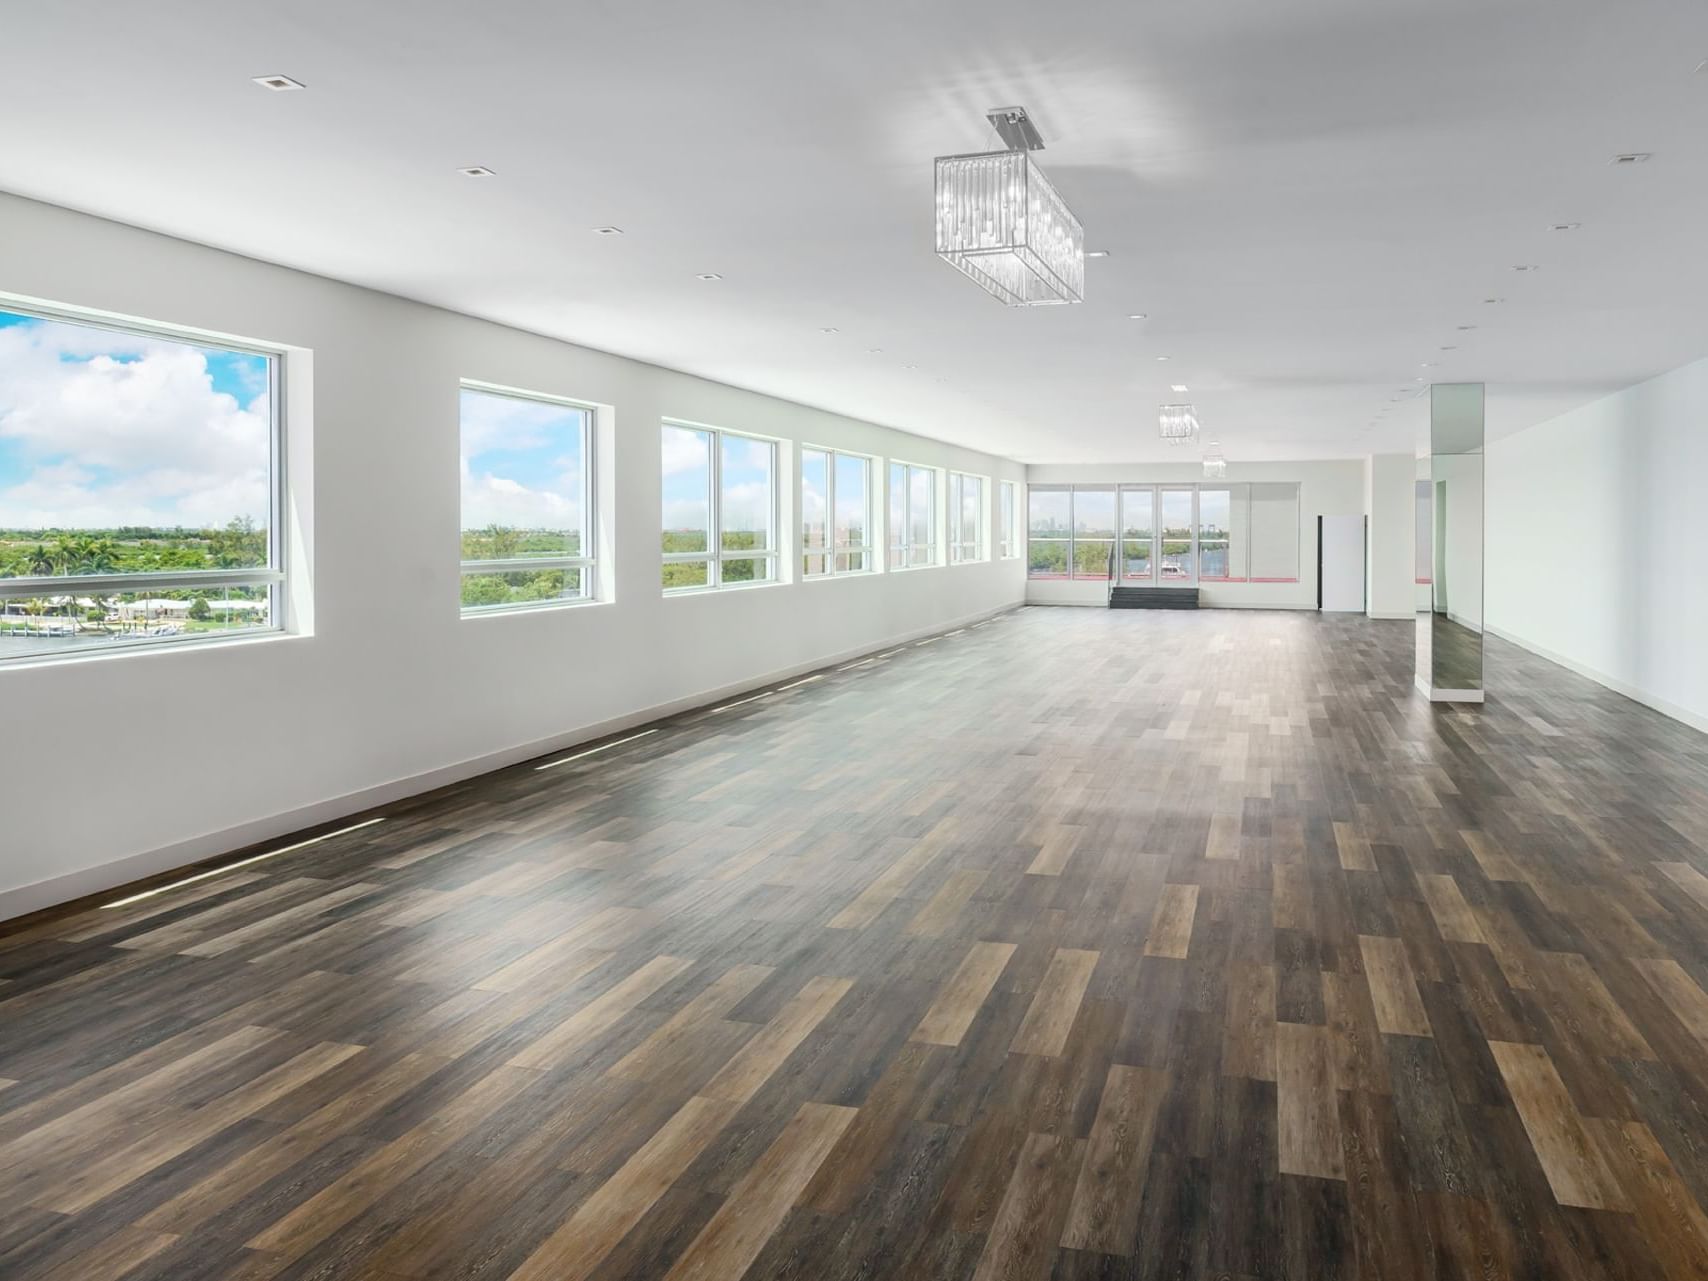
<point>1450,547</point>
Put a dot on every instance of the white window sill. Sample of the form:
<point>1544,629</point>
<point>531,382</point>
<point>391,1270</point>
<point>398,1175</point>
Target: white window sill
<point>670,592</point>
<point>176,645</point>
<point>526,607</point>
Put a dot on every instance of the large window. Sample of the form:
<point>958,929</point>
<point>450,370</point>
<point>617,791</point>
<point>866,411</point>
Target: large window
<point>139,487</point>
<point>527,465</point>
<point>720,508</point>
<point>1049,529</point>
<point>836,513</point>
<point>913,516</point>
<point>1168,534</point>
<point>1007,531</point>
<point>967,518</point>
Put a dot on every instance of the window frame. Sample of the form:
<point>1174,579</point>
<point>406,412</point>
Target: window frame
<point>832,549</point>
<point>961,552</point>
<point>714,556</point>
<point>899,554</point>
<point>275,577</point>
<point>1008,497</point>
<point>588,565</point>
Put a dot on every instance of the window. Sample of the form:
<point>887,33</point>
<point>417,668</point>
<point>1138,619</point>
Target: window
<point>1224,533</point>
<point>720,508</point>
<point>967,518</point>
<point>1179,534</point>
<point>913,516</point>
<point>1049,530</point>
<point>836,513</point>
<point>1093,532</point>
<point>139,487</point>
<point>527,463</point>
<point>1138,532</point>
<point>1007,533</point>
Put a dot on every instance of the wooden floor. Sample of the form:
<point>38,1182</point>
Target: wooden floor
<point>1080,944</point>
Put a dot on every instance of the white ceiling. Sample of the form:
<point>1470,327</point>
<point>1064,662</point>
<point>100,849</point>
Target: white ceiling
<point>1307,198</point>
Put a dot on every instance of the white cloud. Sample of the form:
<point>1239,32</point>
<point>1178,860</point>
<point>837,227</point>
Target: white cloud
<point>684,451</point>
<point>121,429</point>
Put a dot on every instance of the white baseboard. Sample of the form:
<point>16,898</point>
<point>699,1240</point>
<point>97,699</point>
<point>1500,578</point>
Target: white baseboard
<point>107,876</point>
<point>1632,692</point>
<point>1388,616</point>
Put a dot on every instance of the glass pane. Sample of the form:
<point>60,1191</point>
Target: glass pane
<point>1176,514</point>
<point>1215,526</point>
<point>850,562</point>
<point>1047,513</point>
<point>687,491</point>
<point>972,501</point>
<point>685,573</point>
<point>1136,558</point>
<point>747,571</point>
<point>1176,560</point>
<point>812,563</point>
<point>1213,561</point>
<point>124,453</point>
<point>1007,518</point>
<point>80,621</point>
<point>853,514</point>
<point>921,512</point>
<point>1094,513</point>
<point>898,513</point>
<point>814,509</point>
<point>1047,558</point>
<point>745,506</point>
<point>523,478</point>
<point>1138,513</point>
<point>1091,557</point>
<point>524,587</point>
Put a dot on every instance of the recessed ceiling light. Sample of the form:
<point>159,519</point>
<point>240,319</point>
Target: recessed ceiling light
<point>1448,348</point>
<point>1162,357</point>
<point>830,329</point>
<point>1177,386</point>
<point>477,171</point>
<point>1137,315</point>
<point>608,231</point>
<point>874,351</point>
<point>1427,364</point>
<point>910,366</point>
<point>1564,226</point>
<point>1096,253</point>
<point>708,275</point>
<point>1492,301</point>
<point>278,84</point>
<point>1632,157</point>
<point>1527,267</point>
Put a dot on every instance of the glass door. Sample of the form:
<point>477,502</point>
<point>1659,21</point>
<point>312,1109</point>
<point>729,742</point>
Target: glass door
<point>1138,535</point>
<point>1177,560</point>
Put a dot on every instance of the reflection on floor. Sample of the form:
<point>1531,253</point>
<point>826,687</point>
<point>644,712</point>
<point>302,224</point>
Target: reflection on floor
<point>1457,654</point>
<point>1081,944</point>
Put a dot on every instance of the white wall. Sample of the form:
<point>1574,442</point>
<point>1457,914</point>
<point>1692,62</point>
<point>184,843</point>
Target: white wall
<point>393,690</point>
<point>1390,560</point>
<point>1598,541</point>
<point>1325,488</point>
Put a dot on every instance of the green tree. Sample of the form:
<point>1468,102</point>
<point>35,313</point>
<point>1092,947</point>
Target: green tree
<point>199,609</point>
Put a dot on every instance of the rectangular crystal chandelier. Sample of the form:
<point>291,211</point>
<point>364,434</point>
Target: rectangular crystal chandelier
<point>1001,222</point>
<point>1177,424</point>
<point>1215,463</point>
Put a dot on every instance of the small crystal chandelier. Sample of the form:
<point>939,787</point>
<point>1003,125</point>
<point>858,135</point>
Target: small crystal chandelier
<point>1178,424</point>
<point>1215,465</point>
<point>1001,222</point>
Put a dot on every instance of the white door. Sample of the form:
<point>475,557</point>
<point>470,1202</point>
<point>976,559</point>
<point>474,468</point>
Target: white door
<point>1342,587</point>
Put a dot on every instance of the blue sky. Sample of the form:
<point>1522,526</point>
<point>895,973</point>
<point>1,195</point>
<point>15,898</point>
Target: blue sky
<point>522,462</point>
<point>101,428</point>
